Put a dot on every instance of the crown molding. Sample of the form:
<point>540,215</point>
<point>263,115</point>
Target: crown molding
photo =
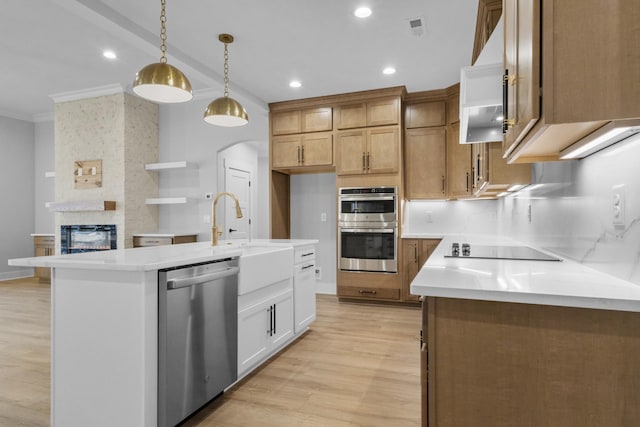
<point>43,117</point>
<point>87,93</point>
<point>16,116</point>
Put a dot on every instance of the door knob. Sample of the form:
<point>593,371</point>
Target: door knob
<point>231,230</point>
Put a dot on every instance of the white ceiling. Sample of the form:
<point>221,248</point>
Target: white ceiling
<point>55,46</point>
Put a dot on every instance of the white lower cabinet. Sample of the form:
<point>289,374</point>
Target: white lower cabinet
<point>265,323</point>
<point>304,284</point>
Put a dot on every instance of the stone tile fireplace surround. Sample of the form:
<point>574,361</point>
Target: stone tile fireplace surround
<point>122,131</point>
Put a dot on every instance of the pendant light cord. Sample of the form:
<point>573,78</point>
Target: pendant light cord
<point>226,71</point>
<point>163,32</point>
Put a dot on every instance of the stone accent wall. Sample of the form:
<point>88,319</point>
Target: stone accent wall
<point>122,131</point>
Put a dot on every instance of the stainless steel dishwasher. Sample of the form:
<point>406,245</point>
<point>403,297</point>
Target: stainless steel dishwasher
<point>197,336</point>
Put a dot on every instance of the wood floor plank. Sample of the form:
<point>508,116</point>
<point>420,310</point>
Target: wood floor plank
<point>358,365</point>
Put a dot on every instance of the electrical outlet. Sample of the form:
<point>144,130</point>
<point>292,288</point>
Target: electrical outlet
<point>618,205</point>
<point>429,217</point>
<point>318,273</point>
<point>206,219</point>
<point>323,217</point>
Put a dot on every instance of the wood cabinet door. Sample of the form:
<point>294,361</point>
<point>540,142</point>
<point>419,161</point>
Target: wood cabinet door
<point>285,122</point>
<point>383,112</point>
<point>522,67</point>
<point>459,174</point>
<point>317,149</point>
<point>425,163</point>
<point>317,119</point>
<point>286,151</point>
<point>480,167</point>
<point>351,116</point>
<point>350,152</point>
<point>410,266</point>
<point>425,114</point>
<point>383,150</point>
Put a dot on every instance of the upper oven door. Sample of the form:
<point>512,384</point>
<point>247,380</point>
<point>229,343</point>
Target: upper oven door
<point>368,208</point>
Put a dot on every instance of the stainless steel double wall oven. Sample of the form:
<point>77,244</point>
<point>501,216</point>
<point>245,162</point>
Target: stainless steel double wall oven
<point>367,229</point>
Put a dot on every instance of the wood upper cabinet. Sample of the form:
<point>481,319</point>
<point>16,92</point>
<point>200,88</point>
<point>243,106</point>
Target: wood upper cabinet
<point>522,67</point>
<point>301,121</point>
<point>286,122</point>
<point>383,112</point>
<point>366,151</point>
<point>285,151</point>
<point>317,149</point>
<point>366,114</point>
<point>351,116</point>
<point>459,173</point>
<point>564,81</point>
<point>425,114</point>
<point>415,253</point>
<point>313,149</point>
<point>480,167</point>
<point>317,120</point>
<point>425,158</point>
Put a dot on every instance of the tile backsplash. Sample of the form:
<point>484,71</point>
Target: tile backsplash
<point>568,210</point>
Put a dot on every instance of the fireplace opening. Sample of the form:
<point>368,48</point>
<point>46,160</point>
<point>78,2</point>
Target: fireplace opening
<point>87,238</point>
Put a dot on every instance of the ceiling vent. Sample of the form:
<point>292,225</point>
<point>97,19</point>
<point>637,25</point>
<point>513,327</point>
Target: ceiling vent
<point>416,25</point>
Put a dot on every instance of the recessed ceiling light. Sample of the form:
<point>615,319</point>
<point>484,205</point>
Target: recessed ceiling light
<point>389,70</point>
<point>295,83</point>
<point>109,54</point>
<point>362,12</point>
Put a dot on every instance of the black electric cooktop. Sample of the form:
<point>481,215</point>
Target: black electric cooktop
<point>498,252</point>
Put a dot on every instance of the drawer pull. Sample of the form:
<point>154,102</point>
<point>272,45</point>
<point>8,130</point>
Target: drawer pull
<point>307,266</point>
<point>367,291</point>
<point>309,254</point>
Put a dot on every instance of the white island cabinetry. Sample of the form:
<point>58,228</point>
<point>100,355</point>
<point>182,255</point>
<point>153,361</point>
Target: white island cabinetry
<point>265,324</point>
<point>304,279</point>
<point>104,323</point>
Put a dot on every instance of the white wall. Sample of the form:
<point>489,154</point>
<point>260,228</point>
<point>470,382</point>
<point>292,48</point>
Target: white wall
<point>17,183</point>
<point>184,135</point>
<point>311,196</point>
<point>568,210</point>
<point>572,210</point>
<point>450,217</point>
<point>44,187</point>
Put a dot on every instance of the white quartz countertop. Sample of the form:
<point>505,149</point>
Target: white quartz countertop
<point>157,257</point>
<point>166,234</point>
<point>565,283</point>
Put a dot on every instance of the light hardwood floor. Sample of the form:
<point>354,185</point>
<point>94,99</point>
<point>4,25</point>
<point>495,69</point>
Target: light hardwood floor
<point>357,366</point>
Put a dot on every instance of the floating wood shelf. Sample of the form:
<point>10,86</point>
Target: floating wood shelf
<point>170,165</point>
<point>166,201</point>
<point>82,205</point>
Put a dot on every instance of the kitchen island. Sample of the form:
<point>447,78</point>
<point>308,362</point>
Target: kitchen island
<point>528,343</point>
<point>104,322</point>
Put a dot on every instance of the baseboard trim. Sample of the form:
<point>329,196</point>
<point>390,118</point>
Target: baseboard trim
<point>17,274</point>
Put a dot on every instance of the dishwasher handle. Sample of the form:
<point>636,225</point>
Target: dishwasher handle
<point>198,280</point>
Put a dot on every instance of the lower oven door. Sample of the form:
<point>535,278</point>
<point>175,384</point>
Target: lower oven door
<point>368,249</point>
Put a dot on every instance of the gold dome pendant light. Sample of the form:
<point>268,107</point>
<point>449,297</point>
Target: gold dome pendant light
<point>161,82</point>
<point>226,111</point>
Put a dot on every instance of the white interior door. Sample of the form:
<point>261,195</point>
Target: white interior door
<point>238,182</point>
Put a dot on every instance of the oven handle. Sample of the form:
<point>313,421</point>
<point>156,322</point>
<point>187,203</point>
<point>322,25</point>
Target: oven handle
<point>366,198</point>
<point>367,230</point>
